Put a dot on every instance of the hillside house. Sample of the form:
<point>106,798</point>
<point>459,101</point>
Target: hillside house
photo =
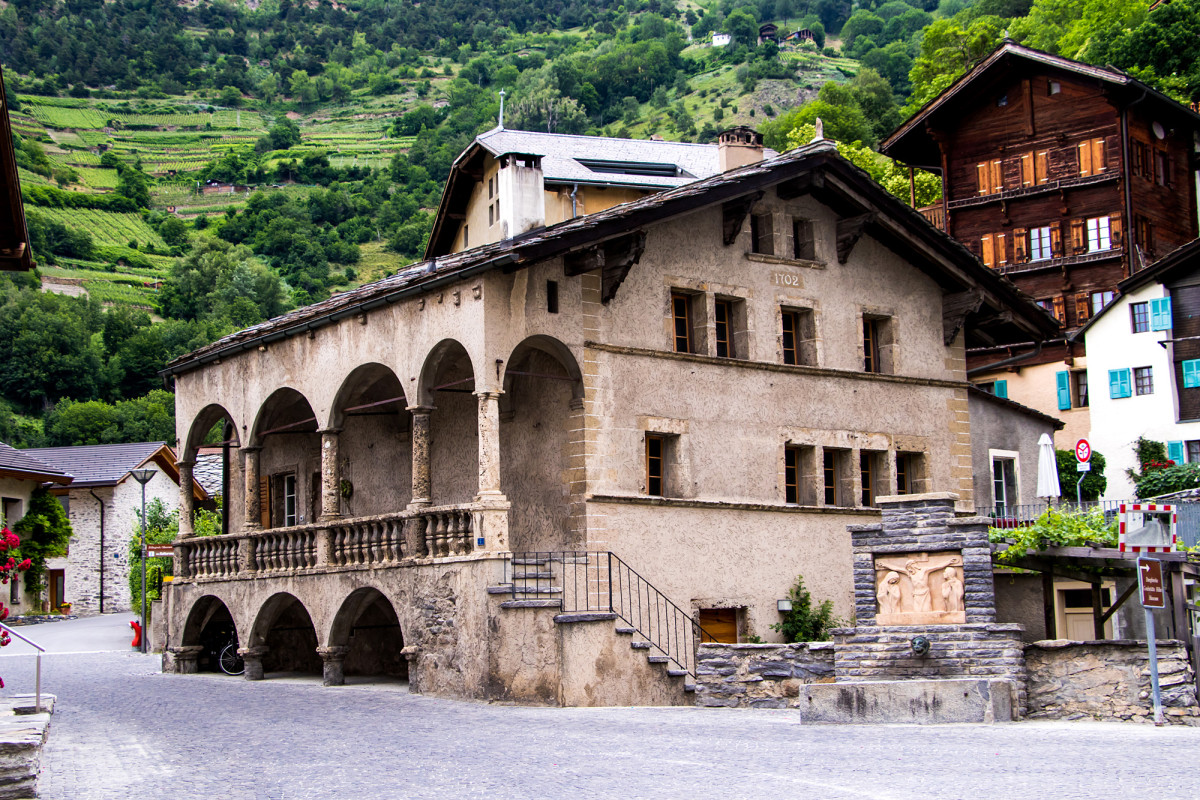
<point>706,384</point>
<point>1065,177</point>
<point>104,505</point>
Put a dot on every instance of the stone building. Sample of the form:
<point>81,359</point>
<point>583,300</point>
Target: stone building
<point>20,474</point>
<point>700,389</point>
<point>104,505</point>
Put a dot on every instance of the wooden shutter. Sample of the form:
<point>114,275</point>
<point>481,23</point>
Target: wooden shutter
<point>1062,382</point>
<point>1000,389</point>
<point>1175,452</point>
<point>1191,373</point>
<point>1020,245</point>
<point>997,177</point>
<point>1118,383</point>
<point>1116,232</point>
<point>1027,171</point>
<point>264,500</point>
<point>985,185</point>
<point>1097,156</point>
<point>1078,236</point>
<point>1160,314</point>
<point>989,255</point>
<point>1135,158</point>
<point>1060,310</point>
<point>1042,166</point>
<point>1056,244</point>
<point>1085,159</point>
<point>1083,307</point>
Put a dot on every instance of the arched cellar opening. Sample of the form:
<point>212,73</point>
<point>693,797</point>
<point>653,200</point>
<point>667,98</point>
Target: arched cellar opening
<point>210,626</point>
<point>287,631</point>
<point>367,625</point>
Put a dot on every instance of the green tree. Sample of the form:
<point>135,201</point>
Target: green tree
<point>742,27</point>
<point>806,623</point>
<point>1094,482</point>
<point>44,531</point>
<point>947,51</point>
<point>134,185</point>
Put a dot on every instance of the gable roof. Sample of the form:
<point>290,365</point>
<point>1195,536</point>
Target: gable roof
<point>14,236</point>
<point>650,164</point>
<point>20,464</point>
<point>912,144</point>
<point>110,464</point>
<point>1183,260</point>
<point>988,299</point>
<point>1012,405</point>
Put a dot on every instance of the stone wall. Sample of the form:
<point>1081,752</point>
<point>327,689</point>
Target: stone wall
<point>1109,680</point>
<point>760,675</point>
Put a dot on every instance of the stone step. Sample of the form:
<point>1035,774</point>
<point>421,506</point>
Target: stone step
<point>658,659</point>
<point>584,616</point>
<point>531,562</point>
<point>533,576</point>
<point>524,590</point>
<point>625,629</point>
<point>531,604</point>
<point>640,645</point>
<point>689,687</point>
<point>677,673</point>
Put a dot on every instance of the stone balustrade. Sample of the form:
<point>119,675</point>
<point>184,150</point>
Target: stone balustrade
<point>385,540</point>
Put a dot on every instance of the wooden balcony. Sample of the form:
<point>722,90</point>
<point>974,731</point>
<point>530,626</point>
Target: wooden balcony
<point>936,215</point>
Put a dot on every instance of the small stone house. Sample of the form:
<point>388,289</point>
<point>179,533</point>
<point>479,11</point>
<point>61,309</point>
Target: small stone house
<point>20,474</point>
<point>104,505</point>
<point>685,397</point>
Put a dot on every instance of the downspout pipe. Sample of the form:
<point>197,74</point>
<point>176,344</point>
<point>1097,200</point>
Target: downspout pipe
<point>92,492</point>
<point>574,202</point>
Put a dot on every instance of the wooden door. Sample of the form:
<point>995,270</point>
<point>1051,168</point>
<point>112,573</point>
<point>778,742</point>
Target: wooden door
<point>719,624</point>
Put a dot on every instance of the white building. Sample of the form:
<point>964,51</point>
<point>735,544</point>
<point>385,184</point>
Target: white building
<point>1143,369</point>
<point>721,39</point>
<point>20,475</point>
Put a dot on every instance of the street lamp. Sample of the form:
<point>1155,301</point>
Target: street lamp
<point>143,476</point>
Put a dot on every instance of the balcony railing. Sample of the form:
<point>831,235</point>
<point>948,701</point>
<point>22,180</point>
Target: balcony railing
<point>936,215</point>
<point>386,540</point>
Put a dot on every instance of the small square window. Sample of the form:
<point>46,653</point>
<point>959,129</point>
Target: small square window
<point>1139,316</point>
<point>799,341</point>
<point>1193,450</point>
<point>1143,380</point>
<point>835,477</point>
<point>799,468</point>
<point>1099,234</point>
<point>1055,87</point>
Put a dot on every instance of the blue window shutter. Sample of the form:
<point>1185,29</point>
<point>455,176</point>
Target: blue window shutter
<point>1160,314</point>
<point>1175,452</point>
<point>1118,383</point>
<point>1191,373</point>
<point>1001,388</point>
<point>1063,381</point>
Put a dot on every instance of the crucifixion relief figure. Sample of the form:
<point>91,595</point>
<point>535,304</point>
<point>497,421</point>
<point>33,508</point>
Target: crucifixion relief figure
<point>919,567</point>
<point>952,590</point>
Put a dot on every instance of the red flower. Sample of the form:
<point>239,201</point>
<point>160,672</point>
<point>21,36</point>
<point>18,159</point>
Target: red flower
<point>24,565</point>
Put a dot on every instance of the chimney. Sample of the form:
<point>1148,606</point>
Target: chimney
<point>738,147</point>
<point>521,194</point>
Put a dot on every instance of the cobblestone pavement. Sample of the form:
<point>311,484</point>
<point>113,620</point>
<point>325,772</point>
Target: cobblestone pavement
<point>124,730</point>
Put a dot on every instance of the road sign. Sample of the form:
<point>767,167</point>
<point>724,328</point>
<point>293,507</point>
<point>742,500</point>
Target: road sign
<point>160,550</point>
<point>1083,451</point>
<point>1147,528</point>
<point>1150,579</point>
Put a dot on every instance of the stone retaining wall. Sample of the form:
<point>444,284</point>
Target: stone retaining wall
<point>759,675</point>
<point>1108,680</point>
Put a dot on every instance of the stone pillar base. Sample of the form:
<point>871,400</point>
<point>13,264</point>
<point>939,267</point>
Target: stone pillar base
<point>253,659</point>
<point>182,660</point>
<point>334,659</point>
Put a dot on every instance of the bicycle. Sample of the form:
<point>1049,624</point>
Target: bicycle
<point>230,661</point>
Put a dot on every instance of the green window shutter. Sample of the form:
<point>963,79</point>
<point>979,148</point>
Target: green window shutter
<point>1001,388</point>
<point>1118,383</point>
<point>1191,373</point>
<point>1063,381</point>
<point>1175,452</point>
<point>1160,314</point>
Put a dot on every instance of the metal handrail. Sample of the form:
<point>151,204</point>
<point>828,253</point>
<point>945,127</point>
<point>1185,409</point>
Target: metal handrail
<point>610,584</point>
<point>37,698</point>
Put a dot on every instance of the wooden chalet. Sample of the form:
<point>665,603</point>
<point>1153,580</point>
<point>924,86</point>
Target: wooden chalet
<point>1067,178</point>
<point>14,236</point>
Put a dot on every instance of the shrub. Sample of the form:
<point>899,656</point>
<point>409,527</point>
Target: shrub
<point>1055,528</point>
<point>804,623</point>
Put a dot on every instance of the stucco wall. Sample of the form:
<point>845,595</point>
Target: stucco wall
<point>1019,600</point>
<point>1117,424</point>
<point>997,427</point>
<point>376,456</point>
<point>1035,387</point>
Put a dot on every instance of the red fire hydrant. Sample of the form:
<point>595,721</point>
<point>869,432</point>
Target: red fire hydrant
<point>137,634</point>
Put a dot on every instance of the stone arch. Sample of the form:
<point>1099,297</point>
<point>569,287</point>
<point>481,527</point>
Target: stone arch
<point>542,444</point>
<point>285,409</point>
<point>365,638</point>
<point>210,625</point>
<point>289,459</point>
<point>208,417</point>
<point>374,441</point>
<point>447,386</point>
<point>285,638</point>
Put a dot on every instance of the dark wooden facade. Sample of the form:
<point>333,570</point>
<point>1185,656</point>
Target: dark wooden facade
<point>14,237</point>
<point>1065,177</point>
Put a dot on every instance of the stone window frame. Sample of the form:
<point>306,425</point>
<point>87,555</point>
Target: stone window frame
<point>887,360</point>
<point>676,456</point>
<point>782,239</point>
<point>807,351</point>
<point>995,454</point>
<point>744,606</point>
<point>703,297</point>
<point>810,446</point>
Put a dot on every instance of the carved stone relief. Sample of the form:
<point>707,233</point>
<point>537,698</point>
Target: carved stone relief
<point>919,589</point>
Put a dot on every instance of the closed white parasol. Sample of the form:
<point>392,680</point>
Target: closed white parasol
<point>1047,469</point>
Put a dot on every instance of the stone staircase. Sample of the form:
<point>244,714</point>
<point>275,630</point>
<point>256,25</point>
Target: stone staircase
<point>538,582</point>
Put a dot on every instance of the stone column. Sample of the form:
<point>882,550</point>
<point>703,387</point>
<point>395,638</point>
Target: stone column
<point>187,658</point>
<point>331,476</point>
<point>422,491</point>
<point>334,658</point>
<point>253,659</point>
<point>253,519</point>
<point>186,499</point>
<point>489,447</point>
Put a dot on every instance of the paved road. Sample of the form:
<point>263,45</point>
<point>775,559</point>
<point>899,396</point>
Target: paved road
<point>123,730</point>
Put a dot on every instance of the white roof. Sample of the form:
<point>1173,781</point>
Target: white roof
<point>565,157</point>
